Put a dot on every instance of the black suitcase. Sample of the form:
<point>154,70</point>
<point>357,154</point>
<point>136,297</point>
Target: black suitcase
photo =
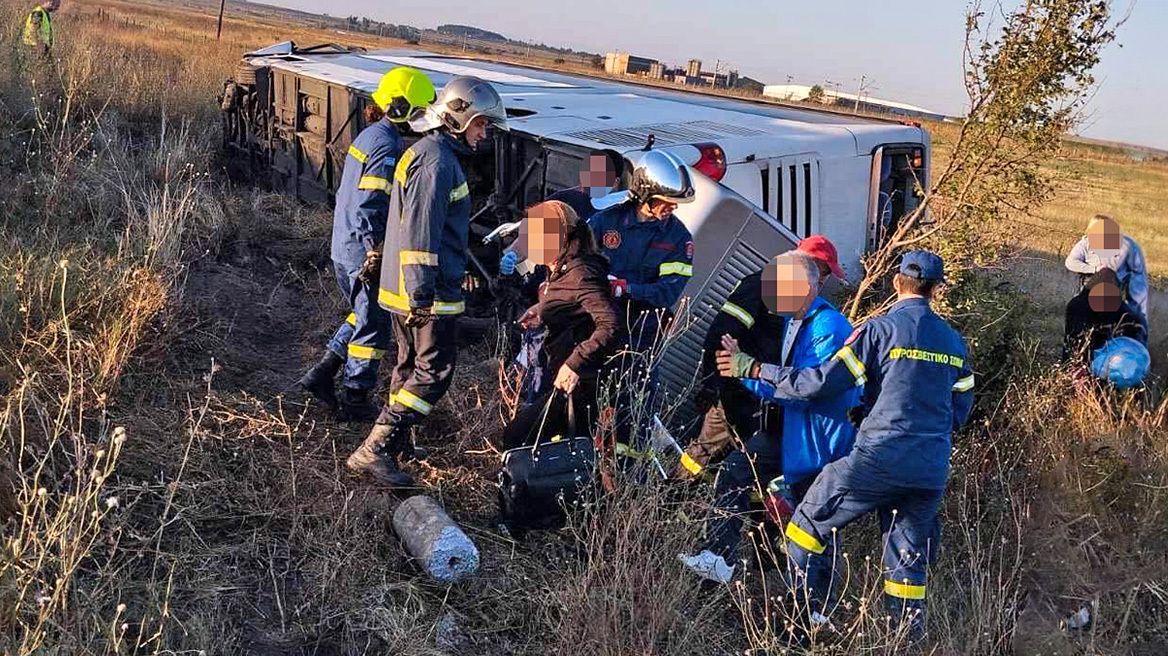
<point>538,483</point>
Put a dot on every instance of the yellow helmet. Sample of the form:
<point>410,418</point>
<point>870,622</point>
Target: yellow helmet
<point>402,92</point>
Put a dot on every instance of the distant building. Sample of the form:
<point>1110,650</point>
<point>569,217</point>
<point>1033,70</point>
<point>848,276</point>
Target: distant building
<point>694,68</point>
<point>801,92</point>
<point>657,70</point>
<point>750,84</point>
<point>622,63</point>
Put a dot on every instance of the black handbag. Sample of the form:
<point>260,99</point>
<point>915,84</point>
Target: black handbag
<point>539,483</point>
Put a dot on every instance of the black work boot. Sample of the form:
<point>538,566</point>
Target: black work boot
<point>378,455</point>
<point>319,379</point>
<point>355,405</point>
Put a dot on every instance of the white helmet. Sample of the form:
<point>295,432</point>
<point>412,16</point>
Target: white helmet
<point>656,175</point>
<point>462,100</point>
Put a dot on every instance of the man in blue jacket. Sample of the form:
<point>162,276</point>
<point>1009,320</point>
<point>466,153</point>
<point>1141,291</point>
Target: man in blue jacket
<point>918,389</point>
<point>813,434</point>
<point>733,413</point>
<point>362,207</point>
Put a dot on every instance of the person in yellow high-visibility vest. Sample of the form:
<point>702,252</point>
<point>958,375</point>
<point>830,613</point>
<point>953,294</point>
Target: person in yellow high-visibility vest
<point>38,27</point>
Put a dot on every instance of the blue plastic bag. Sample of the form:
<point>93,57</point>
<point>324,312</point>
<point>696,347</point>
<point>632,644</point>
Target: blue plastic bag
<point>1122,361</point>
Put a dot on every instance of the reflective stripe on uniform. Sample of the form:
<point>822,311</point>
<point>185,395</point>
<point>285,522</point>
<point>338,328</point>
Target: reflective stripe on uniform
<point>738,313</point>
<point>676,269</point>
<point>357,154</point>
<point>804,539</point>
<point>690,464</point>
<point>398,302</point>
<point>904,590</point>
<point>372,183</point>
<point>459,192</point>
<point>412,401</point>
<point>351,319</point>
<point>854,365</point>
<point>964,384</point>
<point>418,257</point>
<point>399,172</point>
<point>365,352</point>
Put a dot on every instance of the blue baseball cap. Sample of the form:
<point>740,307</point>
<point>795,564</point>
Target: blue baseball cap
<point>922,265</point>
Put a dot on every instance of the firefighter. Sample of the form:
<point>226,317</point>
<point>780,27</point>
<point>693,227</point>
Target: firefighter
<point>424,265</point>
<point>359,221</point>
<point>730,409</point>
<point>650,253</point>
<point>918,389</point>
<point>38,27</point>
<point>649,249</point>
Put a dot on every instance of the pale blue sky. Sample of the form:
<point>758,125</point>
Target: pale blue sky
<point>910,48</point>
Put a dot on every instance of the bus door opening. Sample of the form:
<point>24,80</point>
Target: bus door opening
<point>897,184</point>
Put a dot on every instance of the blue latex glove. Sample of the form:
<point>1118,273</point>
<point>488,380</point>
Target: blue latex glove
<point>507,263</point>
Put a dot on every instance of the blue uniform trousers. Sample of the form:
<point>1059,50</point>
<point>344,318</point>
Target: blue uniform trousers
<point>363,338</point>
<point>843,492</point>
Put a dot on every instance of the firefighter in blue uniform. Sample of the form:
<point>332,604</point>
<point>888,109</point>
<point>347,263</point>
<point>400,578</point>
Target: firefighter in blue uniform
<point>649,250</point>
<point>359,220</point>
<point>918,389</point>
<point>650,254</point>
<point>423,268</point>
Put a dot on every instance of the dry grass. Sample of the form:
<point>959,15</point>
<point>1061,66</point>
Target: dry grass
<point>152,317</point>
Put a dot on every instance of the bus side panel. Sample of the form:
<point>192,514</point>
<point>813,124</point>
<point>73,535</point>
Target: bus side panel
<point>731,241</point>
<point>843,214</point>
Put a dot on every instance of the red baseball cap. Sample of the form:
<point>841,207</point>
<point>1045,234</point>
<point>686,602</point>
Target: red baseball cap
<point>821,248</point>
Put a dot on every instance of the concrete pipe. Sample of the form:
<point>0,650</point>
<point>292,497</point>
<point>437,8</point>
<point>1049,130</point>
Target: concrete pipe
<point>445,553</point>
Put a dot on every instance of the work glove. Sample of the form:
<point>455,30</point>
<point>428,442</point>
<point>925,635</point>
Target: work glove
<point>736,365</point>
<point>507,263</point>
<point>370,268</point>
<point>418,317</point>
<point>619,287</point>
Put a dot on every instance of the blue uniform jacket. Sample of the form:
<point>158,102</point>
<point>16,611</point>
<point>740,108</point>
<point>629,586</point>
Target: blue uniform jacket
<point>655,257</point>
<point>363,195</point>
<point>815,432</point>
<point>918,388</point>
<point>426,237</point>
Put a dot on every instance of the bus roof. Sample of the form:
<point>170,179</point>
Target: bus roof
<point>602,113</point>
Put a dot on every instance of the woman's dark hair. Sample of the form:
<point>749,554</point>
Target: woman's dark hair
<point>578,242</point>
<point>1102,275</point>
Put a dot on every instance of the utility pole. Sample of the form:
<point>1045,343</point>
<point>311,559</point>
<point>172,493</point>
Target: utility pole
<point>222,6</point>
<point>865,83</point>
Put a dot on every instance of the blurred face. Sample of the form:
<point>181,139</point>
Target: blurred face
<point>476,131</point>
<point>542,234</point>
<point>1104,297</point>
<point>1104,237</point>
<point>785,287</point>
<point>658,209</point>
<point>597,176</point>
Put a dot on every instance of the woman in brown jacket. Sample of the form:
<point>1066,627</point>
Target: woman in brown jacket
<point>576,307</point>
